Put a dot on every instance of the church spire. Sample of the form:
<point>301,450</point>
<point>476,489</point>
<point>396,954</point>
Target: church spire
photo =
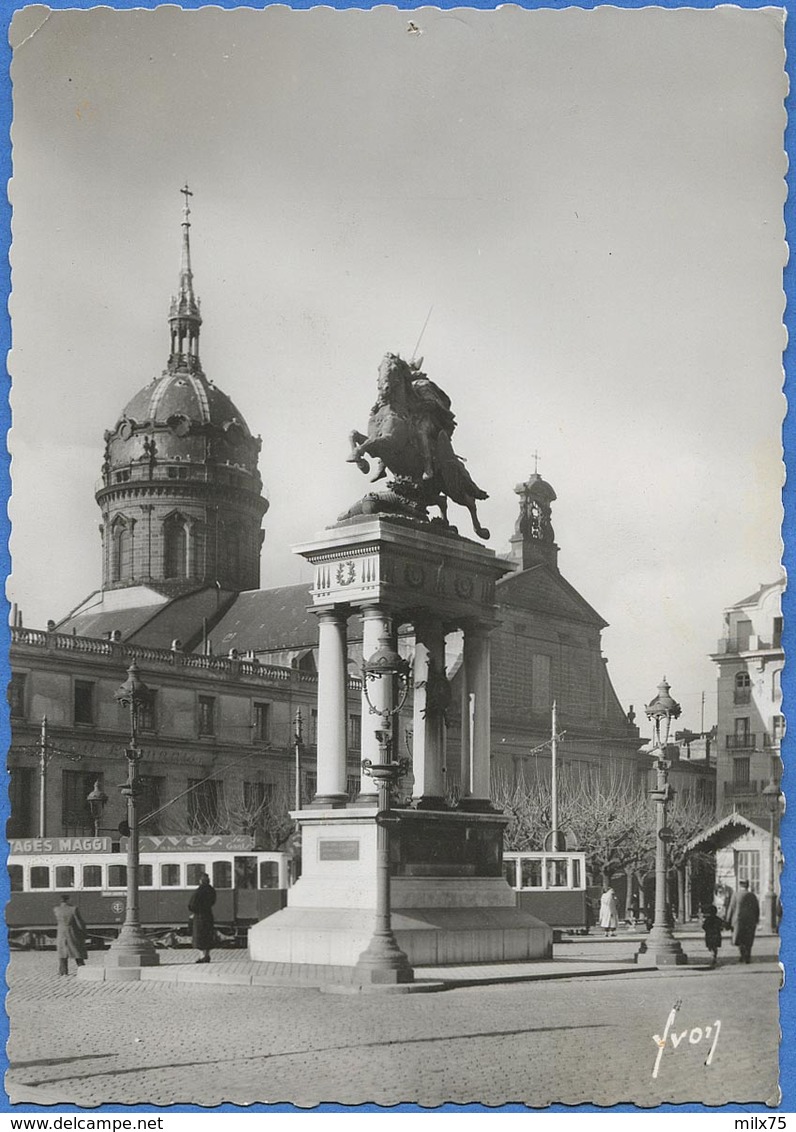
<point>184,316</point>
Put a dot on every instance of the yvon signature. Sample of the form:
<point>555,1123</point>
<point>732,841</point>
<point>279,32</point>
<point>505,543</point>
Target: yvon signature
<point>695,1036</point>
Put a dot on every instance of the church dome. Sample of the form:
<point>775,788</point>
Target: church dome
<point>181,493</point>
<point>186,418</point>
<point>185,395</point>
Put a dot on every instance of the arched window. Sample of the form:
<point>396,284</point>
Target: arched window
<point>121,550</point>
<point>198,565</point>
<point>175,547</point>
<point>743,688</point>
<point>776,684</point>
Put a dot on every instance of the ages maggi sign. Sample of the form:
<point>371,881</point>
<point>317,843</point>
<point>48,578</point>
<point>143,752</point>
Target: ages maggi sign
<point>60,845</point>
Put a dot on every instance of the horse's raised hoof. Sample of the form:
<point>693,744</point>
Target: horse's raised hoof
<point>482,532</point>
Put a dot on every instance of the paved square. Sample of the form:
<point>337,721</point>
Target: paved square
<point>571,1040</point>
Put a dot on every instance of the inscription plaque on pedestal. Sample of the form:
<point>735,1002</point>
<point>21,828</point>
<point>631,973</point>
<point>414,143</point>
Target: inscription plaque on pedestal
<point>338,850</point>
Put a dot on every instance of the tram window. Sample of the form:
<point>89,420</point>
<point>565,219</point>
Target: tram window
<point>64,876</point>
<point>510,872</point>
<point>557,873</point>
<point>15,876</point>
<point>117,876</point>
<point>92,876</point>
<point>170,875</point>
<point>245,872</point>
<point>39,876</point>
<point>576,881</point>
<point>193,874</point>
<point>531,872</point>
<point>269,874</point>
<point>145,876</point>
<point>222,874</point>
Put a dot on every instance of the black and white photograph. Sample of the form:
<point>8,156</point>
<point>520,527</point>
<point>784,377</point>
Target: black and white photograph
<point>396,594</point>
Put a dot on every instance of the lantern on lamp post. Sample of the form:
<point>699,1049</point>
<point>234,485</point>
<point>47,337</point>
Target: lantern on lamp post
<point>386,671</point>
<point>131,949</point>
<point>96,804</point>
<point>661,948</point>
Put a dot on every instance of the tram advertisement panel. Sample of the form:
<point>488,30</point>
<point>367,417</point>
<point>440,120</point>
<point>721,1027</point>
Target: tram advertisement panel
<point>25,845</point>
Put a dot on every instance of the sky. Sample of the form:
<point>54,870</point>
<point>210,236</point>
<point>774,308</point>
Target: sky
<point>589,203</point>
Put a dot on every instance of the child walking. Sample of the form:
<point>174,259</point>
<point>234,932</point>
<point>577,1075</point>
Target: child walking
<point>712,925</point>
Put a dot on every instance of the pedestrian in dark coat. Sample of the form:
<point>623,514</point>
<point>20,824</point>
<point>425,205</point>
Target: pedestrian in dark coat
<point>712,925</point>
<point>202,923</point>
<point>744,916</point>
<point>70,936</point>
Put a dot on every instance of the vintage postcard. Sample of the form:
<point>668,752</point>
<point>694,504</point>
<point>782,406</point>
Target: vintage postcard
<point>396,600</point>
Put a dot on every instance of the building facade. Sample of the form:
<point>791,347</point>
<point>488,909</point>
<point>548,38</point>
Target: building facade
<point>218,741</point>
<point>751,726</point>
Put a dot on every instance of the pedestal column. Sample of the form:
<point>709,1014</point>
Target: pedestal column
<point>332,682</point>
<point>376,622</point>
<point>476,718</point>
<point>431,693</point>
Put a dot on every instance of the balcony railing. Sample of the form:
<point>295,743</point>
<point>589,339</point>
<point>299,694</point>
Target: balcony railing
<point>772,741</point>
<point>745,742</point>
<point>236,667</point>
<point>750,789</point>
<point>752,643</point>
<point>142,472</point>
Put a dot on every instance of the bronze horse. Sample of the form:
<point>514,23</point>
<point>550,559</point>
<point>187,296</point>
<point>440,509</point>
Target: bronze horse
<point>409,433</point>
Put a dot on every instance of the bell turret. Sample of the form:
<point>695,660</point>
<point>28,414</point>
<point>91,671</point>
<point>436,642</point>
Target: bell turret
<point>533,540</point>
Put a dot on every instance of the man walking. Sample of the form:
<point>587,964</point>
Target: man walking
<point>70,939</point>
<point>744,916</point>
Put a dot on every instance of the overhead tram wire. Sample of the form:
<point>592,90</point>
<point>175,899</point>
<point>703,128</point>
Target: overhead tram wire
<point>208,778</point>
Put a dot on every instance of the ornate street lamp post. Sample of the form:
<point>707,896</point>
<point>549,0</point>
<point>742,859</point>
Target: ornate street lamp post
<point>131,949</point>
<point>383,961</point>
<point>772,795</point>
<point>660,947</point>
<point>96,804</point>
<point>298,739</point>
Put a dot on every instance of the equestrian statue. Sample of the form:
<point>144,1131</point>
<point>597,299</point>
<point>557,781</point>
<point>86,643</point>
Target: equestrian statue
<point>409,434</point>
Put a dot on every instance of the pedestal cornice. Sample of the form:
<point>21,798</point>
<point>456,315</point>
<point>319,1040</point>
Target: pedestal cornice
<point>405,567</point>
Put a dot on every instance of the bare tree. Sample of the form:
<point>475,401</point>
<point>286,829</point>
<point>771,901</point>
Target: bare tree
<point>526,805</point>
<point>606,813</point>
<point>688,816</point>
<point>261,810</point>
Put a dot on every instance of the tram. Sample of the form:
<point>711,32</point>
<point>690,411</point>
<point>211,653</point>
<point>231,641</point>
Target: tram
<point>250,885</point>
<point>551,886</point>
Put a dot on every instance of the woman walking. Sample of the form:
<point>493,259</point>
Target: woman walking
<point>202,923</point>
<point>70,936</point>
<point>609,913</point>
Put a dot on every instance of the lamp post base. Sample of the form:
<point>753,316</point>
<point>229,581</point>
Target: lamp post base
<point>661,949</point>
<point>383,962</point>
<point>131,949</point>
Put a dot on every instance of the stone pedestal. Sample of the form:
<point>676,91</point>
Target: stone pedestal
<point>450,903</point>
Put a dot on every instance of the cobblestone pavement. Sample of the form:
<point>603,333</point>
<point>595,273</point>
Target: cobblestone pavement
<point>574,1041</point>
